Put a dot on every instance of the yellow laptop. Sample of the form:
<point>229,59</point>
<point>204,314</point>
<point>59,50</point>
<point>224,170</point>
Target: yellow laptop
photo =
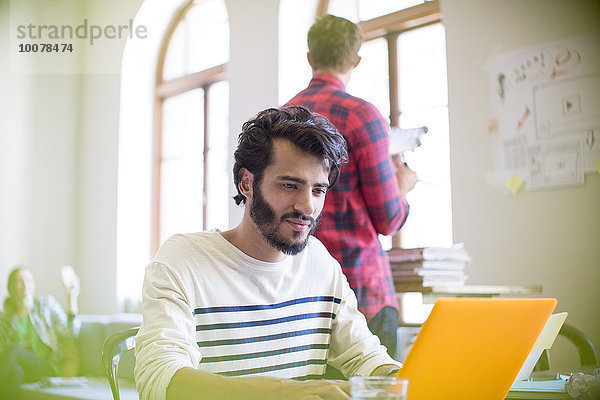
<point>473,348</point>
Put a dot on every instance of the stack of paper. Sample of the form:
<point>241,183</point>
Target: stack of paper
<point>428,266</point>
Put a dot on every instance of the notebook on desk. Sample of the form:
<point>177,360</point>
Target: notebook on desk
<point>473,348</point>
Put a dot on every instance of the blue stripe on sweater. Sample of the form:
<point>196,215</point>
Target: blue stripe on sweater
<point>273,367</point>
<point>228,342</point>
<point>274,321</point>
<point>313,299</point>
<point>246,356</point>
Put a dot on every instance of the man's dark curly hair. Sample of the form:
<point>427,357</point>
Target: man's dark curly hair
<point>311,132</point>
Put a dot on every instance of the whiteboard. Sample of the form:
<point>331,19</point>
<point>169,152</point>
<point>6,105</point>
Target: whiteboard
<point>545,103</point>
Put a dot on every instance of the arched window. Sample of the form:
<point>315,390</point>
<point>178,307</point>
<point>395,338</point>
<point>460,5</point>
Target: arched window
<point>173,133</point>
<point>403,73</point>
<point>189,189</point>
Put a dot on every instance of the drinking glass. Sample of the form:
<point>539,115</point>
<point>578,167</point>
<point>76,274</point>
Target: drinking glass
<point>378,387</point>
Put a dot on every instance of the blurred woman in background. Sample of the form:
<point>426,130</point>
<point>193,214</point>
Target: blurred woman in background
<point>37,337</point>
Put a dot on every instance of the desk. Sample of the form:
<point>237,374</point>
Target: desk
<point>542,390</point>
<point>472,290</point>
<point>415,301</point>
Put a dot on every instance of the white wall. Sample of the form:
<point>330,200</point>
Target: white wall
<point>252,69</point>
<point>98,158</point>
<point>38,164</point>
<point>548,237</point>
<point>59,152</point>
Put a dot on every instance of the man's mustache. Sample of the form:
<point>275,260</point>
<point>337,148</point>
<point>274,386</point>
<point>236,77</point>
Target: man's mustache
<point>297,215</point>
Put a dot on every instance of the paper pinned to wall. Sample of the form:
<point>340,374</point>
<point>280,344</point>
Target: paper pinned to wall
<point>546,99</point>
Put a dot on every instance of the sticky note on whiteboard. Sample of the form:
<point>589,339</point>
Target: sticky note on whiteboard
<point>514,184</point>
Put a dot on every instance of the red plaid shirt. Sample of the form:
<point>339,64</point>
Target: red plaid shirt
<point>365,202</point>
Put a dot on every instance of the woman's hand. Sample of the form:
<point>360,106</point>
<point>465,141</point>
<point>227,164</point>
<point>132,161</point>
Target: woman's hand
<point>72,288</point>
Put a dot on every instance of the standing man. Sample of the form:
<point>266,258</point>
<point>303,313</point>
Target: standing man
<point>369,198</point>
<point>258,311</point>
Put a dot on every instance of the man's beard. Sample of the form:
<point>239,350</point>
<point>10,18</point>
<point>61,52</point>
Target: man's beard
<point>265,219</point>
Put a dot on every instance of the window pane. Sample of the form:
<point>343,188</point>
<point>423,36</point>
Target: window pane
<point>370,79</point>
<point>344,8</point>
<point>295,18</point>
<point>201,40</point>
<point>219,173</point>
<point>362,10</point>
<point>182,164</point>
<point>430,220</point>
<point>176,57</point>
<point>423,102</point>
<point>368,9</point>
<point>422,68</point>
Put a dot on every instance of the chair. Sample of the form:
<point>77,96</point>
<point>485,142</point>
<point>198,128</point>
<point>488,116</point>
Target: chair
<point>112,349</point>
<point>585,348</point>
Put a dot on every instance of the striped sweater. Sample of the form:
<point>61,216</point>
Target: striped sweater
<point>209,306</point>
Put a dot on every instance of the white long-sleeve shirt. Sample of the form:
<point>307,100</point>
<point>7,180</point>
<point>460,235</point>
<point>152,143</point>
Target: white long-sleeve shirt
<point>208,305</point>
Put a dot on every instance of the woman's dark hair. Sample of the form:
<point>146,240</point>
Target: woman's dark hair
<point>311,132</point>
<point>9,303</point>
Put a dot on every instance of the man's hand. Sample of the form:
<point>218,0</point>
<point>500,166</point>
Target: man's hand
<point>406,177</point>
<point>317,390</point>
<point>386,370</point>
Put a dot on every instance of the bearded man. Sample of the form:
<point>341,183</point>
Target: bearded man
<point>259,311</point>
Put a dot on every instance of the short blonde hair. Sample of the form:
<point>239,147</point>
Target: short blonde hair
<point>333,43</point>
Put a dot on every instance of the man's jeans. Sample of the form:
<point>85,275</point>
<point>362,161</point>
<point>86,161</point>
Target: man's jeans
<point>385,325</point>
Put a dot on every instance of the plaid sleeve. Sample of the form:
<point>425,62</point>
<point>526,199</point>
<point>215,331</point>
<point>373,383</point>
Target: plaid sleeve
<point>386,206</point>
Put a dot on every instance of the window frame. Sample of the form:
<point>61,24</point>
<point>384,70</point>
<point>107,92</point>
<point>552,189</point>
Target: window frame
<point>166,89</point>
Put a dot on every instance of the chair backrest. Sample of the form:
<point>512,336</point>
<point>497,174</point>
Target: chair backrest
<point>112,349</point>
<point>585,348</point>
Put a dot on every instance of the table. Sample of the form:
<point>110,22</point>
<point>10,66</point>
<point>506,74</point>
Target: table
<point>415,303</point>
<point>474,290</point>
<point>552,389</point>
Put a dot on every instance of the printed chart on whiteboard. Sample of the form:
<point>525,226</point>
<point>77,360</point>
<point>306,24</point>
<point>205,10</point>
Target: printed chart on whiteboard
<point>545,104</point>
